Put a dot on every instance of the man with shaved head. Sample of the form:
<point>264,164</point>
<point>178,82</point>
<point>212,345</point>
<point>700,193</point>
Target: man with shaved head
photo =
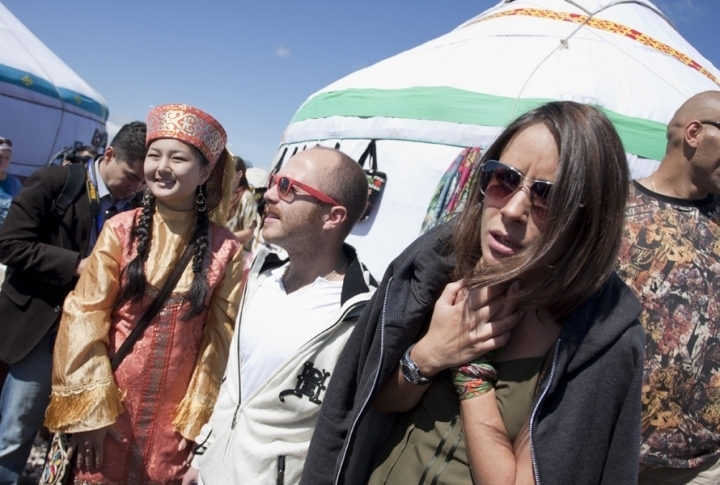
<point>294,319</point>
<point>671,259</point>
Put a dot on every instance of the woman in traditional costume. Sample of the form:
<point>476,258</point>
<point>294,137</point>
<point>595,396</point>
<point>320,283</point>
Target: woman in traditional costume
<point>134,424</point>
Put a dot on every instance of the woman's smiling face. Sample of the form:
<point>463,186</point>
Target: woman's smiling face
<point>509,225</point>
<point>173,172</point>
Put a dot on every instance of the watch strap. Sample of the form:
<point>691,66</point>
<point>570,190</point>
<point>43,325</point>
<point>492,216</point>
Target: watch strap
<point>411,371</point>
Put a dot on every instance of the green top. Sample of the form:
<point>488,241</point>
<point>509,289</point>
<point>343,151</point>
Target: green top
<point>427,442</point>
<point>515,391</point>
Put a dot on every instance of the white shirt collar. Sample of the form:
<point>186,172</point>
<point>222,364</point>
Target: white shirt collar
<point>102,189</point>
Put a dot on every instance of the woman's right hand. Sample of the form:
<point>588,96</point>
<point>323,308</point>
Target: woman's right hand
<point>89,446</point>
<point>465,325</point>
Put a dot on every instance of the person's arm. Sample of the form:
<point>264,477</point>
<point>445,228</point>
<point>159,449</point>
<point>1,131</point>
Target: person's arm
<point>84,395</point>
<point>196,407</point>
<point>493,458</point>
<point>22,231</point>
<point>464,326</point>
<point>244,235</point>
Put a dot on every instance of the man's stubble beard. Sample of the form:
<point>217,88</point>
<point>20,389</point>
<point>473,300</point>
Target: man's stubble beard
<point>297,237</point>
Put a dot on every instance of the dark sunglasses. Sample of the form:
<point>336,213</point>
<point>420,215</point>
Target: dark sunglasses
<point>499,181</point>
<point>5,141</point>
<point>286,184</point>
<point>716,124</point>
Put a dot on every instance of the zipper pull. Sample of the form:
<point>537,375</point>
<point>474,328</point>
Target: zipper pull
<point>234,421</point>
<point>280,470</point>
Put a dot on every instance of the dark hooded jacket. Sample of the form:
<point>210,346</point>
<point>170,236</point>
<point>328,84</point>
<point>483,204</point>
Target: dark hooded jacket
<point>585,421</point>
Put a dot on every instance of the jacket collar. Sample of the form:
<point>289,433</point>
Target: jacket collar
<point>357,281</point>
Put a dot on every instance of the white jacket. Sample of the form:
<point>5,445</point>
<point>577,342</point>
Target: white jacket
<point>264,440</point>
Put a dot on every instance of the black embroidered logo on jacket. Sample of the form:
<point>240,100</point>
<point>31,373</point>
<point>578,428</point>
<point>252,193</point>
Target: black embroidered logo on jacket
<point>311,382</point>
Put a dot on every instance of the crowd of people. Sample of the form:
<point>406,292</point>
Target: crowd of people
<point>562,328</point>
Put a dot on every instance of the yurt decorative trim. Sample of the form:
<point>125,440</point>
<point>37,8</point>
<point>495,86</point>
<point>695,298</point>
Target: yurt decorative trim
<point>645,138</point>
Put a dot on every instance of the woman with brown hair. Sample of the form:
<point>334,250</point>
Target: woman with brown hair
<point>501,347</point>
<point>132,419</point>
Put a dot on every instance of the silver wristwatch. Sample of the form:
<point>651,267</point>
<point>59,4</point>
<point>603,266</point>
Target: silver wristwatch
<point>410,370</point>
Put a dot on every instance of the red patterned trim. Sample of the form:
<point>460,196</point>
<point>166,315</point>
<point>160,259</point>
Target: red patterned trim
<point>607,26</point>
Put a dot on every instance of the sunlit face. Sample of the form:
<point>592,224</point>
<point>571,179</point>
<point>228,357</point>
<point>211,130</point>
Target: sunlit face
<point>173,172</point>
<point>5,156</point>
<point>706,159</point>
<point>297,218</point>
<point>509,225</point>
<point>121,177</point>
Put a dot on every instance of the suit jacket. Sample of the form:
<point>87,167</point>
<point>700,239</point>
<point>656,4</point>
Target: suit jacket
<point>41,252</point>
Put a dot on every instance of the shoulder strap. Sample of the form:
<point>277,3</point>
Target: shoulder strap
<point>280,162</point>
<point>72,188</point>
<point>371,153</point>
<point>154,307</point>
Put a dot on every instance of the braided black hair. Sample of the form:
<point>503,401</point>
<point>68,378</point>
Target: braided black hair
<point>134,280</point>
<point>199,289</point>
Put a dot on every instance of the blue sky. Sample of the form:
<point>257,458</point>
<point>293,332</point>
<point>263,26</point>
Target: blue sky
<point>251,64</point>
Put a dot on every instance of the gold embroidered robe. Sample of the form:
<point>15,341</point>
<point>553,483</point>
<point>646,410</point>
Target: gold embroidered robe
<point>166,387</point>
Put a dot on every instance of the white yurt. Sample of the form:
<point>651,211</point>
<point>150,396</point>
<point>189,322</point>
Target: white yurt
<point>44,105</point>
<point>424,106</point>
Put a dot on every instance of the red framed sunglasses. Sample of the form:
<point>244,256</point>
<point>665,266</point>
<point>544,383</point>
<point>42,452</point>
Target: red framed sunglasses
<point>286,184</point>
<point>499,181</point>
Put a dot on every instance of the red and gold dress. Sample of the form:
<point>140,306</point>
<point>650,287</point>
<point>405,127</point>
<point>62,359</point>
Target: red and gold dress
<point>166,387</point>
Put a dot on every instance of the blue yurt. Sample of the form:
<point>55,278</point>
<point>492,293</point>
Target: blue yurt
<point>44,105</point>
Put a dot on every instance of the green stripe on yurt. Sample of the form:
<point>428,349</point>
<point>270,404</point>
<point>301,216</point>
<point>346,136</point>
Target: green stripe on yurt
<point>37,84</point>
<point>644,138</point>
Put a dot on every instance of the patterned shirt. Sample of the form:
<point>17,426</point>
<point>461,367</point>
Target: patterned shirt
<point>670,257</point>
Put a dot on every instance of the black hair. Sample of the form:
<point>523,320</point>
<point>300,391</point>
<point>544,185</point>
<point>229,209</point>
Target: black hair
<point>129,143</point>
<point>134,279</point>
<point>240,165</point>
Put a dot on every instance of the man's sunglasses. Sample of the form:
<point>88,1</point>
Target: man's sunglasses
<point>5,141</point>
<point>286,184</point>
<point>499,181</point>
<point>716,124</point>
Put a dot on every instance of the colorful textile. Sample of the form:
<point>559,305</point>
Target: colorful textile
<point>451,193</point>
<point>474,379</point>
<point>670,257</point>
<point>190,125</point>
<point>165,389</point>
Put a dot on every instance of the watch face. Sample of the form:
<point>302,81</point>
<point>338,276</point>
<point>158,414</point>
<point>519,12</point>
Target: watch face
<point>407,372</point>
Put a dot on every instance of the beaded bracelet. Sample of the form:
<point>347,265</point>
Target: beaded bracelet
<point>474,378</point>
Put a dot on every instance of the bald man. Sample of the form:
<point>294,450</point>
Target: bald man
<point>294,320</point>
<point>671,259</point>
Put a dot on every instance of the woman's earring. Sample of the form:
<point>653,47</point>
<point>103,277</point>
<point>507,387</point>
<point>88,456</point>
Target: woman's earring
<point>200,200</point>
<point>146,197</point>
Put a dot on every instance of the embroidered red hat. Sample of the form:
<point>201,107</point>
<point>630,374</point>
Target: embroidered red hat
<point>187,124</point>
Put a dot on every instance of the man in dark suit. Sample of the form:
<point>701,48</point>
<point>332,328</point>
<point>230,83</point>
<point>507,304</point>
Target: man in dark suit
<point>45,254</point>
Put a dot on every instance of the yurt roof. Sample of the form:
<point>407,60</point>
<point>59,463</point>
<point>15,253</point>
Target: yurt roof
<point>623,55</point>
<point>29,70</point>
